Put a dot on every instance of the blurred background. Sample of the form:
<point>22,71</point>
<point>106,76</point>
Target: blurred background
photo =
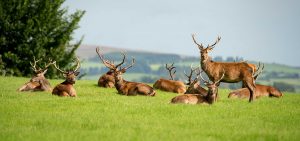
<point>158,32</point>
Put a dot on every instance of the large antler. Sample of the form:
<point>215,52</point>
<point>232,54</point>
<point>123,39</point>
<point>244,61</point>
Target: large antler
<point>33,66</point>
<point>200,46</point>
<point>59,68</point>
<point>132,63</point>
<point>77,64</point>
<point>189,76</point>
<point>170,68</point>
<point>258,71</point>
<point>213,45</point>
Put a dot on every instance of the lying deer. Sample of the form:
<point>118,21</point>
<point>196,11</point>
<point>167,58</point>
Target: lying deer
<point>38,82</point>
<point>194,85</point>
<point>107,80</point>
<point>170,85</point>
<point>234,71</point>
<point>260,91</point>
<point>125,87</point>
<point>66,88</point>
<point>208,98</point>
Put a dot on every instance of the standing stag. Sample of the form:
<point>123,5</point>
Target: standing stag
<point>194,84</point>
<point>209,97</point>
<point>66,88</point>
<point>170,85</point>
<point>234,71</point>
<point>38,82</point>
<point>125,87</point>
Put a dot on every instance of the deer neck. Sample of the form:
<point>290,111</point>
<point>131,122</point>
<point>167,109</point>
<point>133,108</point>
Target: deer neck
<point>205,62</point>
<point>67,83</point>
<point>210,97</point>
<point>119,82</point>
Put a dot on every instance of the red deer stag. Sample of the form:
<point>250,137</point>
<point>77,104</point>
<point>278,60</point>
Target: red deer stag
<point>170,85</point>
<point>194,84</point>
<point>260,91</point>
<point>234,71</point>
<point>38,82</point>
<point>125,87</point>
<point>107,80</point>
<point>208,98</point>
<point>66,88</point>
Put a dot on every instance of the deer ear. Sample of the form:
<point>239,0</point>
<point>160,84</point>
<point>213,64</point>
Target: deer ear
<point>65,75</point>
<point>76,73</point>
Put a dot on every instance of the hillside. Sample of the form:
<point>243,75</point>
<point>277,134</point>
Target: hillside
<point>150,66</point>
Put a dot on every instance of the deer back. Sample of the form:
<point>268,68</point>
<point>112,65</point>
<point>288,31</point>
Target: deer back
<point>170,86</point>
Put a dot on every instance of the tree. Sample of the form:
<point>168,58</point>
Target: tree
<point>36,28</point>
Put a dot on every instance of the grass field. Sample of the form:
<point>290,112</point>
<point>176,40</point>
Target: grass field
<point>102,114</point>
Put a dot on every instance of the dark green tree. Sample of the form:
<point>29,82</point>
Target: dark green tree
<point>40,28</point>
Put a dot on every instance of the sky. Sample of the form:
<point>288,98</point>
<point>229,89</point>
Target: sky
<point>258,30</point>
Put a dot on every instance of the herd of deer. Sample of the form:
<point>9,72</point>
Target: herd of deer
<point>190,92</point>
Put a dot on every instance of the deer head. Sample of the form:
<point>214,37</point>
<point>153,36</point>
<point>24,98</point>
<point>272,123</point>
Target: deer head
<point>70,75</point>
<point>170,68</point>
<point>212,86</point>
<point>116,69</point>
<point>39,72</point>
<point>204,50</point>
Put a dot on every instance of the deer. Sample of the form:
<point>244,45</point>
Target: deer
<point>260,91</point>
<point>234,71</point>
<point>126,87</point>
<point>194,86</point>
<point>38,82</point>
<point>208,98</point>
<point>170,85</point>
<point>66,88</point>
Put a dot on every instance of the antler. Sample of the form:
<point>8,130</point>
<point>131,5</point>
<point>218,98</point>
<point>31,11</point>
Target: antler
<point>77,64</point>
<point>255,74</point>
<point>221,77</point>
<point>58,68</point>
<point>213,45</point>
<point>107,63</point>
<point>132,63</point>
<point>33,67</point>
<point>50,63</point>
<point>200,46</point>
<point>170,68</point>
<point>191,74</point>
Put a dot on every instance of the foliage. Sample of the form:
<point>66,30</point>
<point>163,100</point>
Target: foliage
<point>39,28</point>
<point>102,114</point>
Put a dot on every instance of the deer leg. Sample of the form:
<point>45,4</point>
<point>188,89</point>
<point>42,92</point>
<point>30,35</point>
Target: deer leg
<point>251,86</point>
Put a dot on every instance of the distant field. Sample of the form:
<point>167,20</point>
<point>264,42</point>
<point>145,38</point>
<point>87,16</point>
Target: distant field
<point>102,114</point>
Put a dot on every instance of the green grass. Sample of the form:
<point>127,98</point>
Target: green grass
<point>102,114</point>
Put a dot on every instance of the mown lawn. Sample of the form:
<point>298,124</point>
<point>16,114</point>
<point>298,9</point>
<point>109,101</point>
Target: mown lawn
<point>102,114</point>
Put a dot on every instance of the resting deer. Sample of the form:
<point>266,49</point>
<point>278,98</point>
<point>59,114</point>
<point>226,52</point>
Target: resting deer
<point>107,80</point>
<point>125,87</point>
<point>170,85</point>
<point>234,71</point>
<point>38,82</point>
<point>66,88</point>
<point>260,91</point>
<point>208,98</point>
<point>194,84</point>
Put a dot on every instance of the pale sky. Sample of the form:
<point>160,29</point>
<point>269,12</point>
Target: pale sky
<point>259,30</point>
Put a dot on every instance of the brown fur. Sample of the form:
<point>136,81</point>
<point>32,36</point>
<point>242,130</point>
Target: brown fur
<point>260,91</point>
<point>170,86</point>
<point>125,87</point>
<point>209,97</point>
<point>196,89</point>
<point>38,82</point>
<point>234,71</point>
<point>66,88</point>
<point>107,80</point>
